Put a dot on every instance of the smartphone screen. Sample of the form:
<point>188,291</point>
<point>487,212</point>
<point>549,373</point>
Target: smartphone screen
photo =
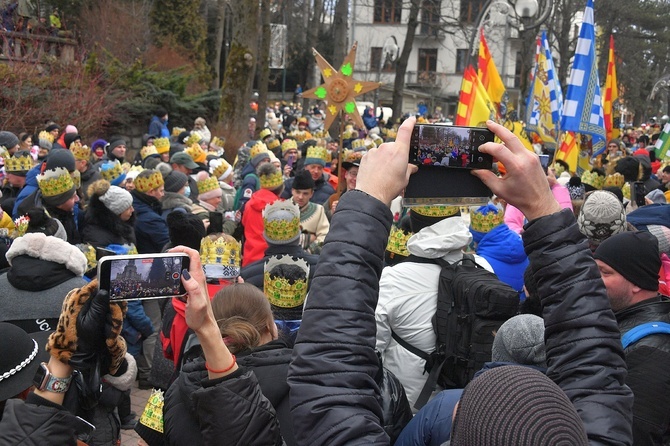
<point>639,192</point>
<point>143,276</point>
<point>449,146</point>
<point>544,160</point>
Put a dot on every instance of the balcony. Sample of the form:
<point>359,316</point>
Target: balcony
<point>425,79</point>
<point>32,48</point>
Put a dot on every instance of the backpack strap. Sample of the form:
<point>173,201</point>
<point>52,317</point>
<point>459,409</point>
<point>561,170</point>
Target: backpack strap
<point>643,330</point>
<point>407,346</point>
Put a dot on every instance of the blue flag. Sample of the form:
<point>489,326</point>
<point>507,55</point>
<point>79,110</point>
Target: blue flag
<point>583,109</point>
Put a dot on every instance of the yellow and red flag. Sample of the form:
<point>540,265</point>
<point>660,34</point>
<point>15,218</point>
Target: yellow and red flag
<point>474,104</point>
<point>569,150</point>
<point>488,74</point>
<point>611,111</point>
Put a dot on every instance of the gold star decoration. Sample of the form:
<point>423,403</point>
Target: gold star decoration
<point>339,88</point>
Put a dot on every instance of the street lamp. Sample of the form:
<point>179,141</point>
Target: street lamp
<point>390,51</point>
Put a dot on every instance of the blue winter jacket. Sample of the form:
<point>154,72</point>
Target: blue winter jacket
<point>158,128</point>
<point>136,327</point>
<point>30,187</point>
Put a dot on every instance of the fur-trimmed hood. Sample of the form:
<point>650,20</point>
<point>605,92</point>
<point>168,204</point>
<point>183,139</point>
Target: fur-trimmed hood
<point>49,248</point>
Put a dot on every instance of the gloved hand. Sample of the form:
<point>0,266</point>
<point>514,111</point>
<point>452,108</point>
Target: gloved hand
<point>89,329</point>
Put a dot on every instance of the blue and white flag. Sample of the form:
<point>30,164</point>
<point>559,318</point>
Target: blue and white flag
<point>583,108</point>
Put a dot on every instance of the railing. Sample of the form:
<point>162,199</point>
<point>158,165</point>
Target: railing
<point>32,48</point>
<point>429,79</point>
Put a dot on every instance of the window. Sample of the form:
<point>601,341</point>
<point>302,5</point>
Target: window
<point>461,58</point>
<point>518,64</point>
<point>387,11</point>
<point>470,9</point>
<point>376,59</point>
<point>427,60</point>
<point>430,17</point>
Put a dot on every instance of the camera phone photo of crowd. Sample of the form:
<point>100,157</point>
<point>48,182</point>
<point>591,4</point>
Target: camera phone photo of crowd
<point>144,278</point>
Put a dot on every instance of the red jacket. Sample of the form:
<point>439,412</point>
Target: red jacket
<point>252,221</point>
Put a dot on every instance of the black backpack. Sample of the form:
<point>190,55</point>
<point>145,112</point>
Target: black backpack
<point>472,304</point>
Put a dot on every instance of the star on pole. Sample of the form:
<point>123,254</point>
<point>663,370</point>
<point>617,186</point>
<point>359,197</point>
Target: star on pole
<point>339,88</point>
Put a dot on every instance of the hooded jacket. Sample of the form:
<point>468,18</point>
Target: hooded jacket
<point>503,249</point>
<point>151,230</point>
<point>252,220</point>
<point>408,300</point>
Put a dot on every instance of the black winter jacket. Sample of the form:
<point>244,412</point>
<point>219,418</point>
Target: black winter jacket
<point>102,227</point>
<point>648,363</point>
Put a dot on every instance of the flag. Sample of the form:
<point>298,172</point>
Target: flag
<point>611,100</point>
<point>490,78</point>
<point>545,99</point>
<point>568,150</point>
<point>582,109</point>
<point>662,146</point>
<point>517,127</point>
<point>474,105</point>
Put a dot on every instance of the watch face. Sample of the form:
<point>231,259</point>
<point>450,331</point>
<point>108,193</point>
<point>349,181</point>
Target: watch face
<point>40,374</point>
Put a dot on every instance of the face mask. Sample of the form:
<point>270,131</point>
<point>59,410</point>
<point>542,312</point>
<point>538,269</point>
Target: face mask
<point>187,191</point>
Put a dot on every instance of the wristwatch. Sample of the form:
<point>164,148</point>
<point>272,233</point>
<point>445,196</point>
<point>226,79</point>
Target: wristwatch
<point>45,381</point>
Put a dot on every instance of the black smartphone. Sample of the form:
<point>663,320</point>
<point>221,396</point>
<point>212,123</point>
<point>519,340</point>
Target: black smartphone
<point>450,146</point>
<point>142,276</point>
<point>639,192</point>
<point>544,161</point>
<point>215,222</point>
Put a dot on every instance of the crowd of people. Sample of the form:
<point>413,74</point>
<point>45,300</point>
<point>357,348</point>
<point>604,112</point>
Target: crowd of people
<point>312,293</point>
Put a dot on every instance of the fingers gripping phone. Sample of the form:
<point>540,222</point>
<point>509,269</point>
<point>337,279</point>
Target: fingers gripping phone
<point>142,276</point>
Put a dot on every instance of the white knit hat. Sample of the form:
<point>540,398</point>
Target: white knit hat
<point>117,199</point>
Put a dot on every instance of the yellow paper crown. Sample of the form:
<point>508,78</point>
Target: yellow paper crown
<point>272,181</point>
<point>152,416</point>
<point>177,130</point>
<point>273,143</point>
<point>351,156</point>
<point>218,142</point>
<point>148,151</point>
<point>349,132</point>
<point>625,190</point>
<point>55,182</point>
<point>80,152</point>
<point>89,252</point>
<point>615,179</point>
<point>220,168</point>
<point>265,133</point>
<point>436,211</point>
<point>283,292</point>
<point>46,135</point>
<point>257,149</point>
<point>299,135</point>
<point>287,145</point>
<point>111,170</point>
<point>21,226</point>
<point>317,152</point>
<point>18,163</point>
<point>146,184</point>
<point>162,145</point>
<point>486,220</point>
<point>320,134</point>
<point>193,138</point>
<point>281,222</point>
<point>593,179</point>
<point>377,140</point>
<point>220,256</point>
<point>196,152</point>
<point>358,144</point>
<point>397,243</point>
<point>211,183</point>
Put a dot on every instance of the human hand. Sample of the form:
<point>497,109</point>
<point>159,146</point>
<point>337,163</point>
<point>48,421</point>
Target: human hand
<point>334,206</point>
<point>287,170</point>
<point>525,184</point>
<point>385,170</point>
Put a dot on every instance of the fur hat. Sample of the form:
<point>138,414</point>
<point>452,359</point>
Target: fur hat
<point>601,216</point>
<point>520,340</point>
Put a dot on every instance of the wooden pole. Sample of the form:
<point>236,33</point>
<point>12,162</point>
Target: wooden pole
<point>340,170</point>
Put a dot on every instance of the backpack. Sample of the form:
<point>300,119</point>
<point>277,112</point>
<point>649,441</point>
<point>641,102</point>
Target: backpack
<point>643,330</point>
<point>239,192</point>
<point>472,304</point>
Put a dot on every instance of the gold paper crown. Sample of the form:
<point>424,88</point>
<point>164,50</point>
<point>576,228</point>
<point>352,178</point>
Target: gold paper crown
<point>257,149</point>
<point>615,179</point>
<point>89,252</point>
<point>358,144</point>
<point>152,416</point>
<point>273,143</point>
<point>18,163</point>
<point>21,226</point>
<point>80,152</point>
<point>272,181</point>
<point>287,145</point>
<point>111,170</point>
<point>349,132</point>
<point>146,184</point>
<point>162,145</point>
<point>196,152</point>
<point>281,221</point>
<point>299,135</point>
<point>317,152</point>
<point>135,169</point>
<point>223,251</point>
<point>55,182</point>
<point>46,135</point>
<point>211,183</point>
<point>320,134</point>
<point>397,243</point>
<point>486,220</point>
<point>219,167</point>
<point>218,142</point>
<point>283,292</point>
<point>559,169</point>
<point>176,131</point>
<point>193,138</point>
<point>265,133</point>
<point>436,211</point>
<point>593,179</point>
<point>351,156</point>
<point>148,151</point>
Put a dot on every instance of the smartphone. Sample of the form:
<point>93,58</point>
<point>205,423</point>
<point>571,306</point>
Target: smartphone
<point>289,162</point>
<point>142,276</point>
<point>544,160</point>
<point>639,192</point>
<point>450,146</point>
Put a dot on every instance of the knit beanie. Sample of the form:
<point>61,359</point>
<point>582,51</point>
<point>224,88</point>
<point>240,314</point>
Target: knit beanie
<point>71,129</point>
<point>185,229</point>
<point>115,198</point>
<point>114,144</point>
<point>634,255</point>
<point>8,140</point>
<point>69,138</point>
<point>602,215</point>
<point>303,181</point>
<point>52,127</point>
<point>657,196</point>
<point>662,234</point>
<point>174,181</point>
<point>60,158</point>
<point>516,405</point>
<point>576,188</point>
<point>520,340</point>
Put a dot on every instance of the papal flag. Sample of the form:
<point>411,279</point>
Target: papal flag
<point>662,146</point>
<point>474,105</point>
<point>544,103</point>
<point>490,77</point>
<point>611,110</point>
<point>583,109</point>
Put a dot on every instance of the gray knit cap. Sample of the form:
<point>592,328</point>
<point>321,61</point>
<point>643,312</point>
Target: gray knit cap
<point>602,215</point>
<point>8,139</point>
<point>117,199</point>
<point>520,340</point>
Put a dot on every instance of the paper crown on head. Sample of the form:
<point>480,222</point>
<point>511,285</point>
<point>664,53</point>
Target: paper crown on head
<point>299,135</point>
<point>193,138</point>
<point>273,143</point>
<point>593,179</point>
<point>21,163</point>
<point>162,145</point>
<point>271,181</point>
<point>352,158</point>
<point>208,184</point>
<point>257,149</point>
<point>389,133</point>
<point>320,134</point>
<point>349,132</point>
<point>89,252</point>
<point>112,172</point>
<point>220,168</point>
<point>625,190</point>
<point>287,145</point>
<point>146,184</point>
<point>377,140</point>
<point>196,152</point>
<point>54,182</point>
<point>316,155</point>
<point>358,144</point>
<point>397,243</point>
<point>176,131</point>
<point>46,135</point>
<point>485,218</point>
<point>281,222</point>
<point>436,211</point>
<point>616,179</point>
<point>80,151</point>
<point>285,292</point>
<point>218,142</point>
<point>265,133</point>
<point>148,151</point>
<point>220,256</point>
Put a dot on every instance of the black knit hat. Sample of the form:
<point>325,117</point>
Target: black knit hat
<point>634,255</point>
<point>174,181</point>
<point>516,405</point>
<point>185,229</point>
<point>303,180</point>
